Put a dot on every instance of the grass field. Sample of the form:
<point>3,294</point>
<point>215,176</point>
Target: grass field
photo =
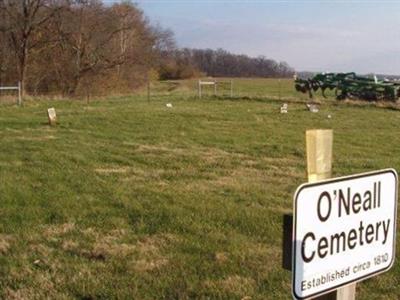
<point>129,199</point>
<point>243,88</point>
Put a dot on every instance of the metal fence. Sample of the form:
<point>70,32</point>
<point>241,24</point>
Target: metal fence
<point>14,88</point>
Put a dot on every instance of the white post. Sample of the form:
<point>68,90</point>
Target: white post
<point>279,82</point>
<point>19,94</point>
<point>199,88</point>
<point>215,87</point>
<point>231,88</point>
<point>148,90</point>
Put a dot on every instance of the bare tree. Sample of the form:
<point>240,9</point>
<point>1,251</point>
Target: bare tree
<point>94,39</point>
<point>22,20</point>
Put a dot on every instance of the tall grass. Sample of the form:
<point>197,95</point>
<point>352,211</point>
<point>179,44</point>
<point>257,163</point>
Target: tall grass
<point>127,198</point>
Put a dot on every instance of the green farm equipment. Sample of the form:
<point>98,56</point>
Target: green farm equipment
<point>350,86</point>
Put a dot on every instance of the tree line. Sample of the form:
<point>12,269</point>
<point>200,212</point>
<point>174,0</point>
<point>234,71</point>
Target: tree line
<point>186,62</point>
<point>74,47</point>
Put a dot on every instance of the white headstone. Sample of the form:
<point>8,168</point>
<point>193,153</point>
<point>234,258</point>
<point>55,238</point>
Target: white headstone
<point>284,108</point>
<point>51,113</point>
<point>312,108</point>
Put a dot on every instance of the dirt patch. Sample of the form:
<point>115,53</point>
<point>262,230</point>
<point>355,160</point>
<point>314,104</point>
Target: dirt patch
<point>142,255</point>
<point>70,246</point>
<point>221,257</point>
<point>90,231</point>
<point>103,246</point>
<point>150,252</point>
<point>110,245</point>
<point>20,294</point>
<point>104,249</point>
<point>153,243</point>
<point>5,243</point>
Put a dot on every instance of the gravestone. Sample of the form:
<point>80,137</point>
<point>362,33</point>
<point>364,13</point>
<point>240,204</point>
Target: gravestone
<point>284,108</point>
<point>312,107</point>
<point>51,114</point>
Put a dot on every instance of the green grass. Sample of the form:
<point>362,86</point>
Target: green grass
<point>242,88</point>
<point>129,199</point>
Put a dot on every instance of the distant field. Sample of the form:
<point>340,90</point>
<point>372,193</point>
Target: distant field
<point>129,199</point>
<point>242,87</point>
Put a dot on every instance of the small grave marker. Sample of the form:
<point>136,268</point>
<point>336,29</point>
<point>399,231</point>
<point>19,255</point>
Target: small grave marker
<point>312,107</point>
<point>51,114</point>
<point>284,108</point>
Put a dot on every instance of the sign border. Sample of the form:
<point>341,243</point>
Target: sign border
<point>333,180</point>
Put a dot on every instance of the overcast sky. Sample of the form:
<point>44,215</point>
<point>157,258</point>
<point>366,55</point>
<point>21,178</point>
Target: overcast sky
<point>361,36</point>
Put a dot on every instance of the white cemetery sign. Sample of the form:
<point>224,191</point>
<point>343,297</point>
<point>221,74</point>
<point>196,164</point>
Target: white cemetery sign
<point>344,231</point>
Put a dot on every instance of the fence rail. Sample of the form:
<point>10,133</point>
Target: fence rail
<point>14,88</point>
<point>215,83</point>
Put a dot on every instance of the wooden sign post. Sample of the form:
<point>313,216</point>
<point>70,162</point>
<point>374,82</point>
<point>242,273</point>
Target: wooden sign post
<point>319,166</point>
<point>330,250</point>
